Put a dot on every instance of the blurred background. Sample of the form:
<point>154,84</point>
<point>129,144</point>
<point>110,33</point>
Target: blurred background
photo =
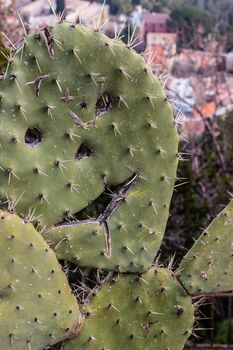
<point>189,45</point>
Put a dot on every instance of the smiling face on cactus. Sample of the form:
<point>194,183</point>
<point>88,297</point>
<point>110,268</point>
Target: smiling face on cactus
<point>79,113</point>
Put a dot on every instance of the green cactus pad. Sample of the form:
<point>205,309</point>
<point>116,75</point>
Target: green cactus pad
<point>87,244</point>
<point>150,311</point>
<point>208,266</point>
<point>37,308</point>
<point>80,113</point>
<point>77,250</point>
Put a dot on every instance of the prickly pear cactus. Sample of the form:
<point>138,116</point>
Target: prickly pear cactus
<point>79,113</point>
<point>151,311</point>
<point>37,308</point>
<point>154,310</point>
<point>208,266</point>
<point>82,114</point>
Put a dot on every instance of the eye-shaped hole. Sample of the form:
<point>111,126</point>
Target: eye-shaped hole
<point>84,105</point>
<point>83,152</point>
<point>104,104</point>
<point>33,137</point>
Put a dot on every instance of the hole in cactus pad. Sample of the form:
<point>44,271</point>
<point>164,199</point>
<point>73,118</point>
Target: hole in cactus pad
<point>33,137</point>
<point>83,152</point>
<point>104,104</point>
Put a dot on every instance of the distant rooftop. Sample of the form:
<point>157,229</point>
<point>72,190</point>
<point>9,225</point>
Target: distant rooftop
<point>156,17</point>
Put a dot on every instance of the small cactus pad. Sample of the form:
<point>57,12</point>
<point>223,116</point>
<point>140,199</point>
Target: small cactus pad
<point>89,244</point>
<point>71,243</point>
<point>80,113</point>
<point>37,308</point>
<point>151,311</point>
<point>208,266</point>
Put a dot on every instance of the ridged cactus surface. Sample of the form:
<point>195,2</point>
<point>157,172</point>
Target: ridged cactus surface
<point>150,311</point>
<point>79,113</point>
<point>37,308</point>
<point>208,266</point>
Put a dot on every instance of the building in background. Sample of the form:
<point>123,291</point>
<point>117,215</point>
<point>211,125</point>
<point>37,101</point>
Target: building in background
<point>162,47</point>
<point>154,23</point>
<point>196,61</point>
<point>9,22</point>
<point>228,61</point>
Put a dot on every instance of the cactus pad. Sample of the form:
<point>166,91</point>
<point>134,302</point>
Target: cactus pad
<point>79,113</point>
<point>37,308</point>
<point>208,266</point>
<point>150,311</point>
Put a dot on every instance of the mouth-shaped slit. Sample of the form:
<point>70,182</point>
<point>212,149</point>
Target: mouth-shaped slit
<point>103,206</point>
<point>101,209</point>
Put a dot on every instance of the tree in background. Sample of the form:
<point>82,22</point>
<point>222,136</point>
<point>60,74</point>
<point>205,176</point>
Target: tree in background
<point>222,15</point>
<point>158,5</point>
<point>119,6</point>
<point>152,6</point>
<point>192,25</point>
<point>206,184</point>
<point>225,30</point>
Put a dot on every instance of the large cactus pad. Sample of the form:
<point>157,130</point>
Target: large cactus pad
<point>151,311</point>
<point>37,308</point>
<point>208,266</point>
<point>79,113</point>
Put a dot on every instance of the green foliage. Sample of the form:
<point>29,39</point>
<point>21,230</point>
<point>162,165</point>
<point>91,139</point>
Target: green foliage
<point>225,136</point>
<point>159,5</point>
<point>201,198</point>
<point>223,336</point>
<point>153,6</point>
<point>183,16</point>
<point>217,8</point>
<point>119,6</point>
<point>189,22</point>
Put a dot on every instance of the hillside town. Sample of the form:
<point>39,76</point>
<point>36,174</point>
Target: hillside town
<point>199,82</point>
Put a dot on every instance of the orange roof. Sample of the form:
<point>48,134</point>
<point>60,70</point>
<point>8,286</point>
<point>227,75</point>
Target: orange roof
<point>207,110</point>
